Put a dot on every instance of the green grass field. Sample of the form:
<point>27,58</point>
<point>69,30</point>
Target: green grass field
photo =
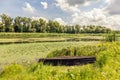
<point>41,35</point>
<point>105,68</point>
<point>29,52</point>
<point>8,38</point>
<point>19,61</point>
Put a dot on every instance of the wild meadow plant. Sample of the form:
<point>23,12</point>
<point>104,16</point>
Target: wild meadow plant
<point>106,66</point>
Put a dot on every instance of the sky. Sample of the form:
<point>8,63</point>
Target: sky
<point>70,12</point>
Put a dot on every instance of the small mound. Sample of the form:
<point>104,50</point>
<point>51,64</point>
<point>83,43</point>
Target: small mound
<point>76,51</point>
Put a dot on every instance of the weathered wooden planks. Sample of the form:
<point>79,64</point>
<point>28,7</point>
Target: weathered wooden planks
<point>68,61</point>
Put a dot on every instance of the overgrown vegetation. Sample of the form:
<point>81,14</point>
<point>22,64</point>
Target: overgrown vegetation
<point>105,68</point>
<point>44,35</point>
<point>28,53</point>
<point>111,37</point>
<point>24,24</point>
<point>86,50</point>
<point>10,38</point>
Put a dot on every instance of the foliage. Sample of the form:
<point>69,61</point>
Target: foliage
<point>6,23</point>
<point>111,37</point>
<point>25,24</point>
<point>87,50</point>
<point>10,38</point>
<point>28,53</point>
<point>106,67</point>
<point>12,70</point>
<point>43,35</point>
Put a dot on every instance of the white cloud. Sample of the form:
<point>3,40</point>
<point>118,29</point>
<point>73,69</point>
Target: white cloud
<point>0,21</point>
<point>28,8</point>
<point>79,2</point>
<point>66,7</point>
<point>97,17</point>
<point>44,4</point>
<point>73,5</point>
<point>113,7</point>
<point>108,15</point>
<point>60,21</point>
<point>114,21</point>
<point>108,1</point>
<point>56,19</point>
<point>37,18</point>
<point>86,3</point>
<point>87,17</point>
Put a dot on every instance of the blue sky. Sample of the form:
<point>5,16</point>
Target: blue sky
<point>83,12</point>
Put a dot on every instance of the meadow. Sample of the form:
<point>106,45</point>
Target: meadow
<point>105,68</point>
<point>19,61</point>
<point>29,52</point>
<point>8,38</point>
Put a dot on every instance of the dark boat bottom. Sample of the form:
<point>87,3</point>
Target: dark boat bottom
<point>68,61</point>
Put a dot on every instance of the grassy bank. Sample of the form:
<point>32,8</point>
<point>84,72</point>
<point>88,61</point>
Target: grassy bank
<point>41,35</point>
<point>105,68</point>
<point>10,38</point>
<point>30,52</point>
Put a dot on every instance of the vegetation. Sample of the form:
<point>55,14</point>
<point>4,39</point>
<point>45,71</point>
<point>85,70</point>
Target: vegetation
<point>24,24</point>
<point>28,53</point>
<point>45,35</point>
<point>18,61</point>
<point>105,68</point>
<point>111,37</point>
<point>86,50</point>
<point>10,38</point>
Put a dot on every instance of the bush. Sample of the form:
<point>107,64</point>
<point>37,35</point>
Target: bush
<point>111,37</point>
<point>77,51</point>
<point>12,70</point>
<point>107,66</point>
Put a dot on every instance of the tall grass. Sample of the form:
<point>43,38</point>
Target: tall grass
<point>111,37</point>
<point>42,35</point>
<point>106,67</point>
<point>30,53</point>
<point>87,50</point>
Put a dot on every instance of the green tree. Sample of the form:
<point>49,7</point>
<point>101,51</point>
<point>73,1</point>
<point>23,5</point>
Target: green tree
<point>42,25</point>
<point>77,29</point>
<point>61,29</point>
<point>7,22</point>
<point>34,25</point>
<point>18,27</point>
<point>2,29</point>
<point>54,26</point>
<point>26,24</point>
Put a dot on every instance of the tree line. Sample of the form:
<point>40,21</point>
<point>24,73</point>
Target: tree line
<point>25,24</point>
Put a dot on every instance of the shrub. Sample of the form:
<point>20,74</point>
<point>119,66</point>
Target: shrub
<point>78,51</point>
<point>107,66</point>
<point>12,70</point>
<point>111,37</point>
